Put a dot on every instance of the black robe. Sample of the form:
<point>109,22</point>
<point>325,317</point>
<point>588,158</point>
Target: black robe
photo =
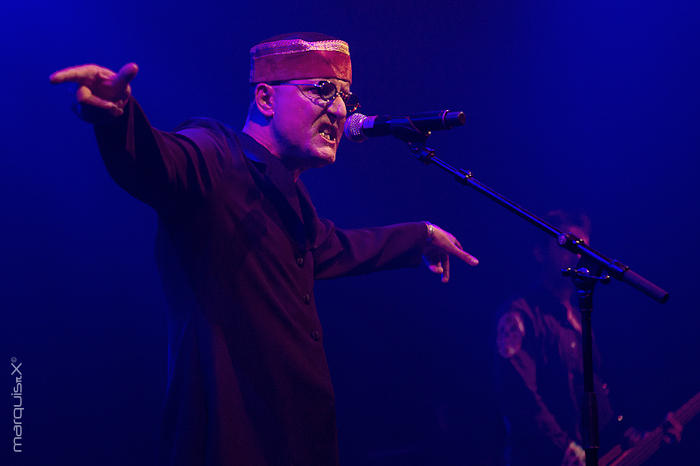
<point>239,248</point>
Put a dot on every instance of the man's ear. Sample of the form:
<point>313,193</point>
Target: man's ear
<point>265,99</point>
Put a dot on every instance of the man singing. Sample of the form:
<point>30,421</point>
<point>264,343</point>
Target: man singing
<point>240,245</point>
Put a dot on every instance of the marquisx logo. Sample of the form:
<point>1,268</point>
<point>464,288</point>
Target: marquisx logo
<point>17,404</point>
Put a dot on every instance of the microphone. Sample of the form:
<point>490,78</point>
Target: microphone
<point>359,127</point>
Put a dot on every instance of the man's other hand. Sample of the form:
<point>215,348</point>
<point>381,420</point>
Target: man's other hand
<point>574,455</point>
<point>98,86</point>
<point>441,244</point>
<point>672,429</point>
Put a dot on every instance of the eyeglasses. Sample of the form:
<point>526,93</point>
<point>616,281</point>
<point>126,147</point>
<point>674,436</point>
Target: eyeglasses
<point>325,91</point>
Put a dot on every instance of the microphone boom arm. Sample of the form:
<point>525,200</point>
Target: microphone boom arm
<point>568,241</point>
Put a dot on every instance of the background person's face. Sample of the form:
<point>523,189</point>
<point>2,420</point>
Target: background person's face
<point>308,129</point>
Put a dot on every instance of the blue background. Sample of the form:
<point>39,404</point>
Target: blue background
<point>588,105</point>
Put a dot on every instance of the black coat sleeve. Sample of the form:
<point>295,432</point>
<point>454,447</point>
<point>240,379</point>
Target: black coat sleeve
<point>157,167</point>
<point>351,252</point>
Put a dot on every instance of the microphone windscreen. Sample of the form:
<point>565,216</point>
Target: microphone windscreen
<point>353,127</point>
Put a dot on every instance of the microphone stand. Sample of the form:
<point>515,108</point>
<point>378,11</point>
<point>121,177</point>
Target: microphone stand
<point>593,267</point>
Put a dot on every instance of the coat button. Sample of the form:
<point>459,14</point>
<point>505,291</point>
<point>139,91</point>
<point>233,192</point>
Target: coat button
<point>316,335</point>
<point>300,261</point>
<point>307,298</point>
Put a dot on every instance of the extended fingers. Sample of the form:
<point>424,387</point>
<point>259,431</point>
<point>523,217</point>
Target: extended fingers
<point>80,74</point>
<point>446,272</point>
<point>450,244</point>
<point>466,257</point>
<point>442,267</point>
<point>456,249</point>
<point>94,75</point>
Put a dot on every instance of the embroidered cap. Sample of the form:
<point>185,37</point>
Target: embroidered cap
<point>300,55</point>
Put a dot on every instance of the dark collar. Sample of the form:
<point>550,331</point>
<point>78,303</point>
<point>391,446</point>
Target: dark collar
<point>267,163</point>
<point>255,151</point>
<point>273,169</point>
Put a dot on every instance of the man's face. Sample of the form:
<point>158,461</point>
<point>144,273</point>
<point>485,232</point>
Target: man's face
<point>308,129</point>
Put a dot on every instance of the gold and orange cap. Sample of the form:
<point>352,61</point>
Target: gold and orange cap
<point>300,55</point>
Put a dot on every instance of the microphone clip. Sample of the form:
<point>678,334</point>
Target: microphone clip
<point>422,152</point>
<point>404,129</point>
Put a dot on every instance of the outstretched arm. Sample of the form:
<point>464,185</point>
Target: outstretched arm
<point>340,252</point>
<point>159,168</point>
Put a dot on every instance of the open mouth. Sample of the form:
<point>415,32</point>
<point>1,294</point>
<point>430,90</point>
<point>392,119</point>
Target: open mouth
<point>328,132</point>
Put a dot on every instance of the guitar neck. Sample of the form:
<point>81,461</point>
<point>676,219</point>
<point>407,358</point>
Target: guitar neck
<point>653,440</point>
<point>689,410</point>
<point>643,450</point>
